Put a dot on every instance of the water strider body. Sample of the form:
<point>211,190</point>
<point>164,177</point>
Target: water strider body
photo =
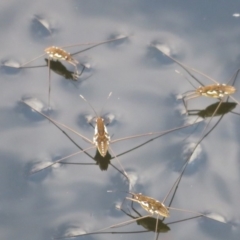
<point>213,91</point>
<point>151,205</point>
<point>56,53</point>
<point>101,137</point>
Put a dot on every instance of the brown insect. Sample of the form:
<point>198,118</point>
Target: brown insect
<point>101,137</point>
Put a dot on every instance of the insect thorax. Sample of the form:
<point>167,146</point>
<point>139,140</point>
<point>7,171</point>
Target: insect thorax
<point>57,53</point>
<point>101,137</point>
<point>216,90</point>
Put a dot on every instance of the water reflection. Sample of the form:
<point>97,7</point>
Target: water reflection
<point>60,69</point>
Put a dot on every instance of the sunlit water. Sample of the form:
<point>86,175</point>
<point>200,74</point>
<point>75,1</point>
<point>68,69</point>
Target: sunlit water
<point>72,199</point>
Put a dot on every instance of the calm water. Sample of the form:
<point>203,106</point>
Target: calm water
<point>145,86</point>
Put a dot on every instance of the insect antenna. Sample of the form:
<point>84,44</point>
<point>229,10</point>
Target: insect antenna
<point>186,78</point>
<point>186,67</point>
<point>109,95</point>
<point>90,105</point>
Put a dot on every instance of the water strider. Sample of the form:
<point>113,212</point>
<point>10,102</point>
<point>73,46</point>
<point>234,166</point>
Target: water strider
<point>149,223</point>
<point>101,138</point>
<point>103,162</point>
<point>216,90</point>
<point>55,53</point>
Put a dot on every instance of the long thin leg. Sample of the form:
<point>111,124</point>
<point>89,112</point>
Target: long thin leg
<point>49,82</point>
<point>125,173</point>
<point>60,160</point>
<point>233,77</point>
<point>204,215</point>
<point>83,68</point>
<point>204,136</point>
<point>234,99</point>
<point>103,229</point>
<point>58,123</point>
<point>189,97</point>
<point>152,133</point>
<point>24,64</point>
<point>97,44</point>
<point>185,67</point>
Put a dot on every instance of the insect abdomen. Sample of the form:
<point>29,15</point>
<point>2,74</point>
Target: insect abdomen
<point>216,90</point>
<point>101,137</point>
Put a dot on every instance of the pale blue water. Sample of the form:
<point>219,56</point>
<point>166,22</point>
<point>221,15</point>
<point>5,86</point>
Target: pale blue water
<point>145,87</point>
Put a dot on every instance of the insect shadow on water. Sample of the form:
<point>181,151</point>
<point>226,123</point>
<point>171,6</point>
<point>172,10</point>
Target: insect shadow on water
<point>101,139</point>
<point>61,70</point>
<point>153,207</point>
<point>56,54</point>
<point>212,110</point>
<point>224,108</point>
